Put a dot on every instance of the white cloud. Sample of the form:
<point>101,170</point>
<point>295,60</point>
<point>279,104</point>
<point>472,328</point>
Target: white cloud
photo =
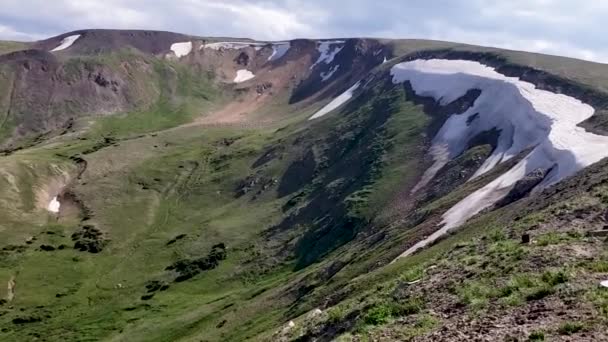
<point>8,33</point>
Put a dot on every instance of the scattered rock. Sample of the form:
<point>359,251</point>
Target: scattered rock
<point>147,297</point>
<point>254,182</point>
<point>314,313</point>
<point>598,233</point>
<point>525,238</point>
<point>262,88</point>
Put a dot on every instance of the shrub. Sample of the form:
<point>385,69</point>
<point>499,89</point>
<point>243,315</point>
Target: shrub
<point>600,266</point>
<point>410,307</point>
<point>570,328</point>
<point>378,315</point>
<point>555,278</point>
<point>536,336</point>
<point>336,314</point>
<point>539,293</point>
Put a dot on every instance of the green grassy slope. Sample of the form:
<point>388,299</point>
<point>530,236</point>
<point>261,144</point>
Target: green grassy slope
<point>11,46</point>
<point>309,215</point>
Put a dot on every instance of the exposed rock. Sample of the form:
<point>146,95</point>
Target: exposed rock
<point>47,248</point>
<point>262,88</point>
<point>242,59</point>
<point>254,182</point>
<point>523,187</point>
<point>598,233</point>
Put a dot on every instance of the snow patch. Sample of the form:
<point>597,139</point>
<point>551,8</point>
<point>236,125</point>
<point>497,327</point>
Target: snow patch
<point>243,75</point>
<point>337,102</point>
<point>328,49</point>
<point>181,49</point>
<point>526,117</point>
<point>66,42</point>
<point>54,205</point>
<point>279,50</point>
<point>604,283</point>
<point>232,45</point>
<point>327,75</point>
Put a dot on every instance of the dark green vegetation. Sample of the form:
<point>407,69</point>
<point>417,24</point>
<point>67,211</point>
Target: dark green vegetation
<point>176,229</point>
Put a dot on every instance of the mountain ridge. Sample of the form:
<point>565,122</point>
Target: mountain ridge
<point>204,193</point>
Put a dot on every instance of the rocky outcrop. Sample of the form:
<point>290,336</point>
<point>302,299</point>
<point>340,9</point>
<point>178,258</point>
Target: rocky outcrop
<point>523,187</point>
<point>46,94</point>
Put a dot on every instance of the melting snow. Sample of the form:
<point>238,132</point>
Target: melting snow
<point>54,205</point>
<point>243,75</point>
<point>527,117</point>
<point>327,75</point>
<point>181,49</point>
<point>337,102</point>
<point>328,49</point>
<point>279,50</point>
<point>232,45</point>
<point>66,42</point>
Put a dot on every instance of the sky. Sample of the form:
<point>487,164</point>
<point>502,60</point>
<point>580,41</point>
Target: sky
<point>573,28</point>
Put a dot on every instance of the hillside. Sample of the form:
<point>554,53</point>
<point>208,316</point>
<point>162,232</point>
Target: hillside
<point>157,186</point>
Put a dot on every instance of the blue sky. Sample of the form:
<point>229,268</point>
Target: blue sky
<point>562,27</point>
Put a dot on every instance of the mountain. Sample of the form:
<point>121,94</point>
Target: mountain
<point>158,186</point>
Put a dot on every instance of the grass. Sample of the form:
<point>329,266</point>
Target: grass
<point>11,46</point>
<point>139,223</point>
<point>149,186</point>
<point>192,94</point>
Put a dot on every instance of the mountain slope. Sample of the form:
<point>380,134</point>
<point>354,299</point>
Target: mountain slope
<point>205,193</point>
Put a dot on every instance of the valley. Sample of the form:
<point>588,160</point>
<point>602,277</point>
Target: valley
<point>160,186</point>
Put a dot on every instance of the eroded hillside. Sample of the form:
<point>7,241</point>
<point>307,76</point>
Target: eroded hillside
<point>159,186</point>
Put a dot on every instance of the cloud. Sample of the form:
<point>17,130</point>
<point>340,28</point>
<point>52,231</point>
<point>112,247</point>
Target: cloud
<point>548,26</point>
